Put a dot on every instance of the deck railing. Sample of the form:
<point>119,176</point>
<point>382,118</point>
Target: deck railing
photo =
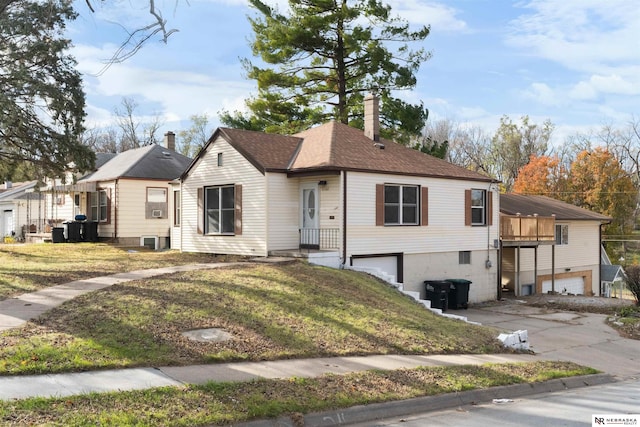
<point>319,238</point>
<point>517,228</point>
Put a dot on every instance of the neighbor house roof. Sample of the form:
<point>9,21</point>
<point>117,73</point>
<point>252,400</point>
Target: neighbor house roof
<point>148,162</point>
<point>514,204</point>
<point>611,273</point>
<point>334,147</point>
<point>21,191</point>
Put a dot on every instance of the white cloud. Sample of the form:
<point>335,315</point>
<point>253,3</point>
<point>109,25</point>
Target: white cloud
<point>440,16</point>
<point>542,94</point>
<point>583,91</point>
<point>579,34</point>
<point>605,84</point>
<point>178,93</point>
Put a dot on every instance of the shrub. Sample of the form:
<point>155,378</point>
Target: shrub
<point>633,281</point>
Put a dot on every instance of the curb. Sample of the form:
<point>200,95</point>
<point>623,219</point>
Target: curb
<point>376,411</point>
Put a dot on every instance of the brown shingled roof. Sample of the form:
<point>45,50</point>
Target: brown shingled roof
<point>513,204</point>
<point>335,146</point>
<point>267,151</point>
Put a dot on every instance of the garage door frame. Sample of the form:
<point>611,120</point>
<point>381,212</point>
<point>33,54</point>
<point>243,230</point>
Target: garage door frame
<point>585,274</point>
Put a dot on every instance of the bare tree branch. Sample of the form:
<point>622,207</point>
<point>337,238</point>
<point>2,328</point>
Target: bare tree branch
<point>137,38</point>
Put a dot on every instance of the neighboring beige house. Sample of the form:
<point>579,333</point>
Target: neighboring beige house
<point>565,257</point>
<point>127,197</point>
<point>341,197</point>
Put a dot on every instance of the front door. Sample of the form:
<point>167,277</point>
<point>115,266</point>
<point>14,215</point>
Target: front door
<point>309,231</point>
<point>7,223</point>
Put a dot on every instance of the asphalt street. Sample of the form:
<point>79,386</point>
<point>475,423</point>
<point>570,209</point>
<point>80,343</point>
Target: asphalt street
<point>571,408</point>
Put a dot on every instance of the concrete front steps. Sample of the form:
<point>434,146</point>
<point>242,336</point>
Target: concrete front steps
<point>391,280</point>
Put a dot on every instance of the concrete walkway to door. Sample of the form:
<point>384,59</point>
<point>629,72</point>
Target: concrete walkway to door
<point>583,338</point>
<point>15,312</point>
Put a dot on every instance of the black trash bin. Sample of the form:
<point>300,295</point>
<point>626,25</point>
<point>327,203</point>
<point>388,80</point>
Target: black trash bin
<point>57,234</point>
<point>437,291</point>
<point>91,231</point>
<point>459,293</point>
<point>73,232</point>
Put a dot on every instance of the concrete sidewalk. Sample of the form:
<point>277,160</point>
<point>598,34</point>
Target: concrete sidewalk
<point>60,385</point>
<point>15,312</point>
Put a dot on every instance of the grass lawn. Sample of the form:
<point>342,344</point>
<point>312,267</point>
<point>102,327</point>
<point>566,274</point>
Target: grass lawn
<point>281,311</point>
<point>227,403</point>
<point>28,268</point>
<point>272,311</point>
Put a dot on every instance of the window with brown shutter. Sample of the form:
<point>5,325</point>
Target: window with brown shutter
<point>220,207</point>
<point>477,207</point>
<point>399,205</point>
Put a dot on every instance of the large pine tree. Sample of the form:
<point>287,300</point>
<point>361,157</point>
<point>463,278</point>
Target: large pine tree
<point>41,97</point>
<point>322,57</point>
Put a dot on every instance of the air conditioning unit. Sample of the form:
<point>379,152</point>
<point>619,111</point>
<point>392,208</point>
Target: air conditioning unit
<point>156,213</point>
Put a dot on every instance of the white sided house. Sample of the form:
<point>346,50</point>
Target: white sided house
<point>343,198</point>
<point>22,209</point>
<point>566,255</point>
<point>126,200</point>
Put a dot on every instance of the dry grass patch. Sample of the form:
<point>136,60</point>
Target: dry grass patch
<point>272,311</point>
<point>228,403</point>
<point>28,268</point>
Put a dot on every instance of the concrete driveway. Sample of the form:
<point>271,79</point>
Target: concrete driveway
<point>584,338</point>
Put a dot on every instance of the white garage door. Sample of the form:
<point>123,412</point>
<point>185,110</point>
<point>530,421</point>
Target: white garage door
<point>572,285</point>
<point>386,264</point>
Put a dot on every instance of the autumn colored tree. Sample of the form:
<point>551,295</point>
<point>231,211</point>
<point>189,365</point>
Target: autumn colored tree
<point>543,175</point>
<point>513,144</point>
<point>598,182</point>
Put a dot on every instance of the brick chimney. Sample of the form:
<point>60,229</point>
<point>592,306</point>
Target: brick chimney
<point>372,117</point>
<point>170,140</point>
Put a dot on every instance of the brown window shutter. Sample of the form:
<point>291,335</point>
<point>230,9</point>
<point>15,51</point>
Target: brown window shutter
<point>108,221</point>
<point>490,207</point>
<point>424,199</point>
<point>238,210</point>
<point>200,215</point>
<point>379,204</point>
<point>467,207</point>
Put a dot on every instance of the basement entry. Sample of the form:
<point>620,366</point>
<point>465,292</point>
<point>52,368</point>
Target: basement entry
<point>208,335</point>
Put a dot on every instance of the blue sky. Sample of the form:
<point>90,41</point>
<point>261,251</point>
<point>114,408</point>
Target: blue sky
<point>575,62</point>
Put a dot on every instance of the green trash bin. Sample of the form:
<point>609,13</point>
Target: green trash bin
<point>459,293</point>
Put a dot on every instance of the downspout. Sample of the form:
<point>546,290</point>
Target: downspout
<point>181,216</point>
<point>487,263</point>
<point>553,268</point>
<point>599,262</point>
<point>344,217</point>
<point>115,211</point>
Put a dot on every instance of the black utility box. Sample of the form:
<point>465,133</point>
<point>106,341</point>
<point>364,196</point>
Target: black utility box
<point>459,293</point>
<point>437,291</point>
